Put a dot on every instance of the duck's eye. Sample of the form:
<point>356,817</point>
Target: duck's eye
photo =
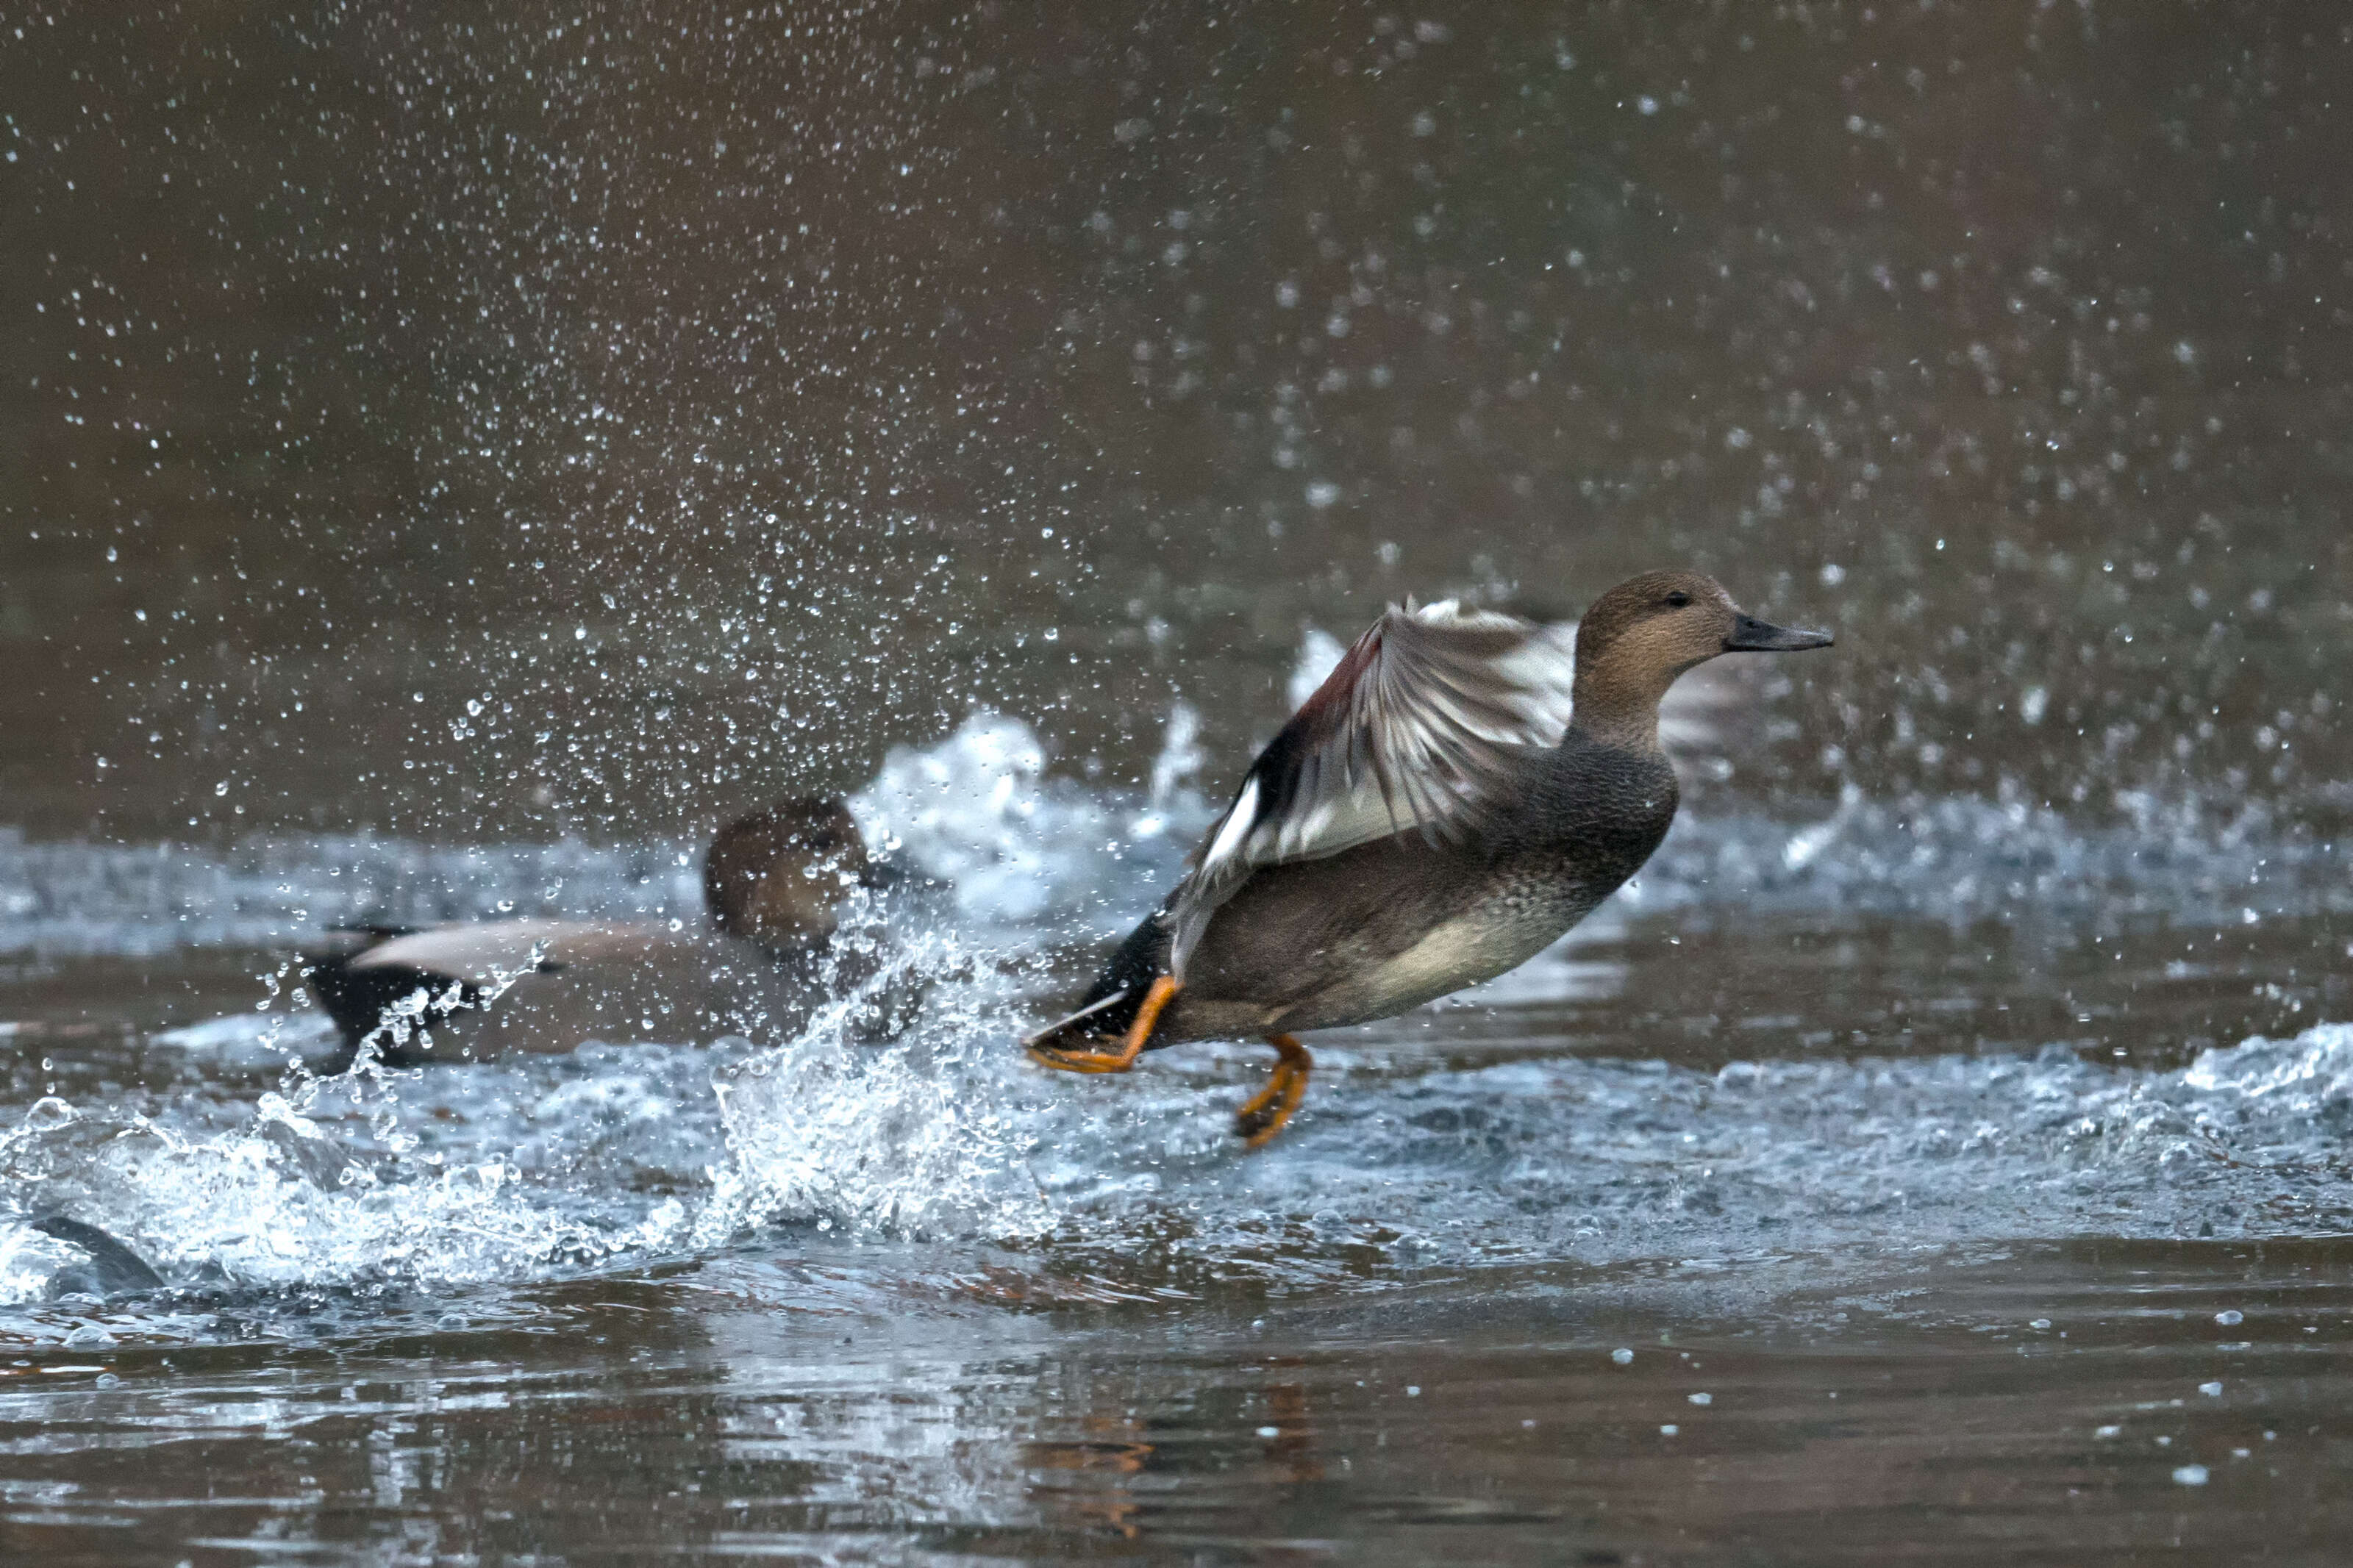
<point>1678,599</point>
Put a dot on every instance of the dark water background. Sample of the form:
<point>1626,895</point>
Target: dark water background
<point>449,461</point>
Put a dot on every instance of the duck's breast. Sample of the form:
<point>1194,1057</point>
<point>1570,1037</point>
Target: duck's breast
<point>1600,809</point>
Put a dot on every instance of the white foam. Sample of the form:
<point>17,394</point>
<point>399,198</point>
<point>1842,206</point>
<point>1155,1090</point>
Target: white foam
<point>2309,1076</point>
<point>1025,848</point>
<point>508,1172</point>
<point>252,1038</point>
<point>948,1132</point>
<point>280,1200</point>
<point>1019,847</point>
<point>923,1136</point>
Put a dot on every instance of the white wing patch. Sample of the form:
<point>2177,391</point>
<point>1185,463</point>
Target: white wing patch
<point>1543,668</point>
<point>1235,830</point>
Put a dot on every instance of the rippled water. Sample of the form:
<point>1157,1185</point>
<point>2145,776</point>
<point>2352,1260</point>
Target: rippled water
<point>448,466</point>
<point>1834,1163</point>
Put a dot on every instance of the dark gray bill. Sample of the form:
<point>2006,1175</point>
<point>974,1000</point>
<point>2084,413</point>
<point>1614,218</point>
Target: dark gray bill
<point>1750,635</point>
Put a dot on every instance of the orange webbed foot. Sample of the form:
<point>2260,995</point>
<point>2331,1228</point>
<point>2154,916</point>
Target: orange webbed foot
<point>1082,1061</point>
<point>1264,1114</point>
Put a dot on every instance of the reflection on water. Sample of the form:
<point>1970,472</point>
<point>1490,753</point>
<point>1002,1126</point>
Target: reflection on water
<point>448,464</point>
<point>2102,1400</point>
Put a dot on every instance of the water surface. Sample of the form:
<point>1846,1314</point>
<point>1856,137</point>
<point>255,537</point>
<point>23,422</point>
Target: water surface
<point>448,465</point>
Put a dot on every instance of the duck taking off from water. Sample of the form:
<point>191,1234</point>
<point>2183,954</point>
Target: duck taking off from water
<point>1462,789</point>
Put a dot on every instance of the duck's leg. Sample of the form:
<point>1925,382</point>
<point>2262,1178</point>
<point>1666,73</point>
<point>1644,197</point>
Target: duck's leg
<point>1270,1107</point>
<point>1131,1045</point>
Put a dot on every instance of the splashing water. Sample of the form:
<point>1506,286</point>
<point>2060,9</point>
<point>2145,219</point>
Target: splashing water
<point>979,813</point>
<point>926,1136</point>
<point>943,1132</point>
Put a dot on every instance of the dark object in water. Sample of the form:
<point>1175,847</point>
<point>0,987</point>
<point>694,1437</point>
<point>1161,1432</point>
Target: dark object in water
<point>774,882</point>
<point>113,1269</point>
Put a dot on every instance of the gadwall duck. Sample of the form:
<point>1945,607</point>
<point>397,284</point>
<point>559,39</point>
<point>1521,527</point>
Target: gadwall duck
<point>773,884</point>
<point>1462,789</point>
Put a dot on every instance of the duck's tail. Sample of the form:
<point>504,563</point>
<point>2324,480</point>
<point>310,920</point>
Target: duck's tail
<point>357,999</point>
<point>1108,1009</point>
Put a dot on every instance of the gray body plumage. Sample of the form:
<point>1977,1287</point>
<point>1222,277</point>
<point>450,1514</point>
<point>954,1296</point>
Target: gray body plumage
<point>1381,928</point>
<point>1463,788</point>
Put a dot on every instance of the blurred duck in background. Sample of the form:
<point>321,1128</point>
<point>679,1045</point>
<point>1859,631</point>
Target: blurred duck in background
<point>775,885</point>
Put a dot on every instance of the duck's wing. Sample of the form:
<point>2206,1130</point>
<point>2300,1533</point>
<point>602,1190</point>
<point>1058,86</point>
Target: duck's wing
<point>1424,724</point>
<point>489,953</point>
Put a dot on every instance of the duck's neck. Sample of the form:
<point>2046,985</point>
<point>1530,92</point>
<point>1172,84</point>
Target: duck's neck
<point>1616,712</point>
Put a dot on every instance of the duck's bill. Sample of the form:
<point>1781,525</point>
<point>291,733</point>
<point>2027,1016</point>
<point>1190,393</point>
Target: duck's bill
<point>1750,635</point>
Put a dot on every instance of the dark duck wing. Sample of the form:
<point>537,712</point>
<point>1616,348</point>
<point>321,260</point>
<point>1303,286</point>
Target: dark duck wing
<point>1424,726</point>
<point>406,975</point>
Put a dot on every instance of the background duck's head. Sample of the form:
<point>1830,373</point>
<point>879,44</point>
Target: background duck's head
<point>777,877</point>
<point>1646,631</point>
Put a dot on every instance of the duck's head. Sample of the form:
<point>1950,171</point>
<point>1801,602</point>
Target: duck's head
<point>777,877</point>
<point>1643,634</point>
